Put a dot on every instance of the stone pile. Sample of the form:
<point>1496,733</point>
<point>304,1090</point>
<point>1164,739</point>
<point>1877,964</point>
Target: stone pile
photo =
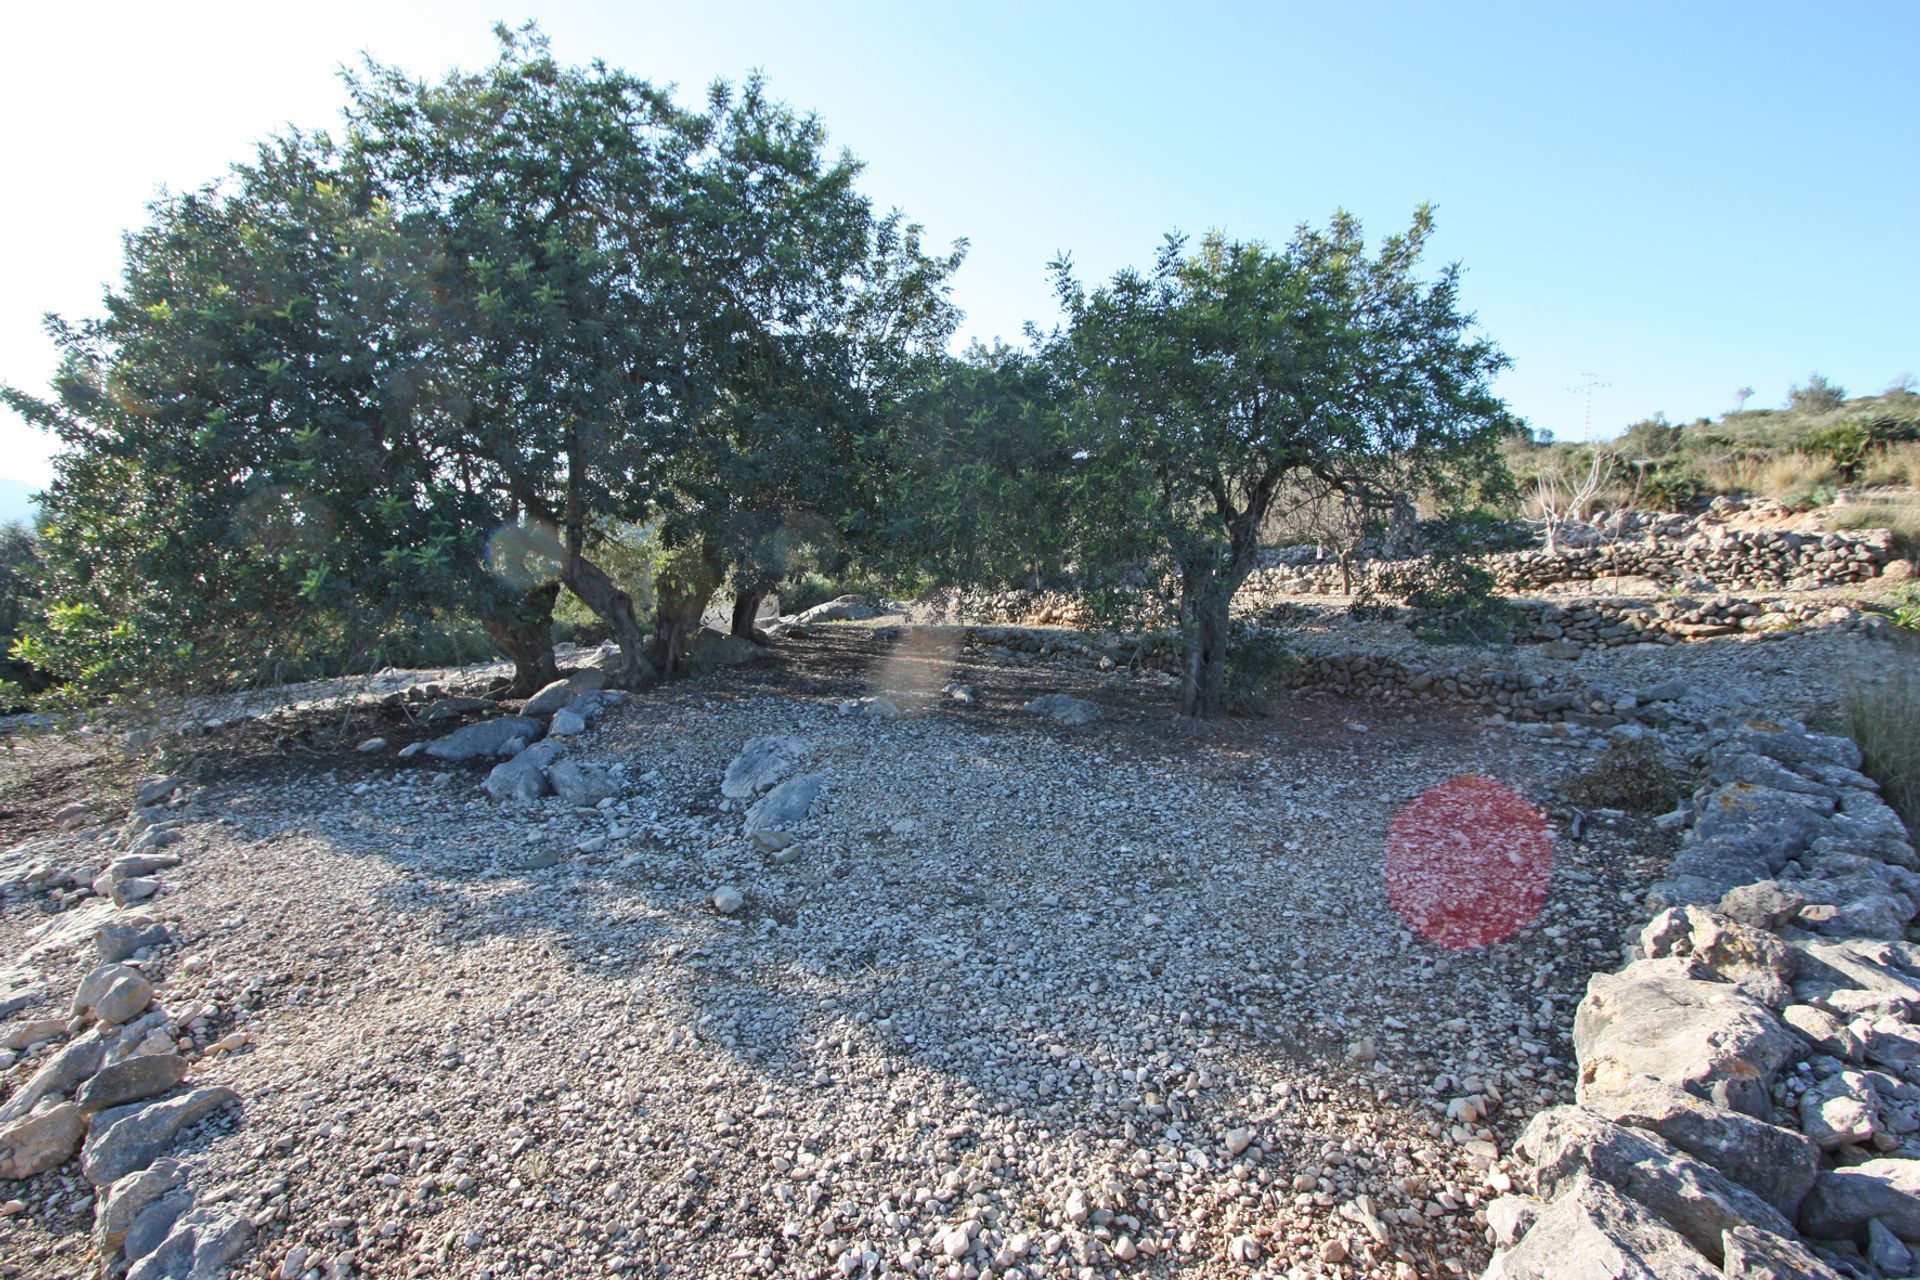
<point>532,743</point>
<point>107,1080</point>
<point>1749,1083</point>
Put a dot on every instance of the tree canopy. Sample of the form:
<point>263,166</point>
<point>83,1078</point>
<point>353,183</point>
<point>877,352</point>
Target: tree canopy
<point>1206,384</point>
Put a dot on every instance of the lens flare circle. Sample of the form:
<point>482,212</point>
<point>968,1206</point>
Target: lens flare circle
<point>1469,863</point>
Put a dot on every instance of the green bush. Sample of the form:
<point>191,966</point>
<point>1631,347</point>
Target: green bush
<point>1451,594</point>
<point>1810,499</point>
<point>1846,444</point>
<point>1260,669</point>
<point>1672,487</point>
<point>1906,606</point>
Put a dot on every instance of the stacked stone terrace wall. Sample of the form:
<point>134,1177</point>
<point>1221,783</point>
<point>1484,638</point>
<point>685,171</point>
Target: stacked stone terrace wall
<point>1748,1096</point>
<point>1712,558</point>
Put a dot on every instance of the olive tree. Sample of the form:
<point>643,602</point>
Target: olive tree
<point>1210,381</point>
<point>244,488</point>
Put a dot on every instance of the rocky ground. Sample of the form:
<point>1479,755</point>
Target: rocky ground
<point>1126,998</point>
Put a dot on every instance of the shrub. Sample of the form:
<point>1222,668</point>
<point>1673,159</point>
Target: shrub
<point>1260,669</point>
<point>1902,517</point>
<point>1905,606</point>
<point>1884,718</point>
<point>1629,775</point>
<point>1671,487</point>
<point>1845,444</point>
<point>1451,595</point>
<point>1895,466</point>
<point>1809,499</point>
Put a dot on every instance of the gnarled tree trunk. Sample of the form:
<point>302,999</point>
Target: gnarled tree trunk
<point>524,632</point>
<point>746,608</point>
<point>1203,686</point>
<point>680,595</point>
<point>615,607</point>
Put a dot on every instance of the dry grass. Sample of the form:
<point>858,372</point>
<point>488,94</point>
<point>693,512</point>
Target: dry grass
<point>1896,466</point>
<point>1780,475</point>
<point>1884,718</point>
<point>1898,512</point>
<point>1628,775</point>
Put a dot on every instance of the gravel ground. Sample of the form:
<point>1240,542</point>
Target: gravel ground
<point>1124,999</point>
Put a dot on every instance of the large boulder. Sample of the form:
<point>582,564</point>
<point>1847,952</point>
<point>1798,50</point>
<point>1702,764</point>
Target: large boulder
<point>120,937</point>
<point>523,779</point>
<point>1760,1255</point>
<point>143,1075</point>
<point>201,1243</point>
<point>1654,1020</point>
<point>839,609</point>
<point>1724,950</point>
<point>761,764</point>
<point>41,1141</point>
<point>563,691</point>
<point>487,738</point>
<point>517,781</point>
<point>1592,1232</point>
<point>125,1139</point>
<point>712,649</point>
<point>580,784</point>
<point>787,804</point>
<point>1840,1111</point>
<point>1775,1163</point>
<point>1064,709</point>
<point>61,1073</point>
<point>121,1202</point>
<point>1795,749</point>
<point>1828,974</point>
<point>1784,821</point>
<point>113,993</point>
<point>1843,1201</point>
<point>1565,1144</point>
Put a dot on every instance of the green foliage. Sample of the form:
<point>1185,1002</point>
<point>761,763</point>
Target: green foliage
<point>1904,606</point>
<point>1671,487</point>
<point>1450,594</point>
<point>1260,669</point>
<point>1817,396</point>
<point>1650,438</point>
<point>1846,443</point>
<point>20,603</point>
<point>976,469</point>
<point>357,396</point>
<point>1629,775</point>
<point>1809,499</point>
<point>1201,387</point>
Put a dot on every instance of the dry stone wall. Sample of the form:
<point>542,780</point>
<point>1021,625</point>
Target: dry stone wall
<point>1749,1083</point>
<point>1706,557</point>
<point>1521,696</point>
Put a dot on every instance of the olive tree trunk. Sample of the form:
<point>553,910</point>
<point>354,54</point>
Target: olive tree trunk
<point>524,632</point>
<point>746,608</point>
<point>613,606</point>
<point>681,594</point>
<point>1205,621</point>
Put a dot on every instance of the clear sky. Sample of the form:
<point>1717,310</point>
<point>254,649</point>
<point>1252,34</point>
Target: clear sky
<point>1681,198</point>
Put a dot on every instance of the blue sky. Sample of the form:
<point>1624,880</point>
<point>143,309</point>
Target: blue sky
<point>1682,198</point>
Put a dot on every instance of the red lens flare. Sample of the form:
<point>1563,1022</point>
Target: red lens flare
<point>1468,863</point>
